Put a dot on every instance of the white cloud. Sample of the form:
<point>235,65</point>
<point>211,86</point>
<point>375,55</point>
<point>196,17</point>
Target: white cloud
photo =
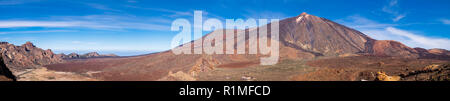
<point>102,22</point>
<point>101,7</point>
<point>446,21</point>
<point>11,24</point>
<point>381,31</point>
<point>417,40</point>
<point>393,9</point>
<point>173,13</point>
<point>401,16</point>
<point>42,31</point>
<point>359,22</point>
<point>15,2</point>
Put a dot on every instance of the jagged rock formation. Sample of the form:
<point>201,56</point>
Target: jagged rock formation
<point>432,72</point>
<point>5,73</point>
<point>85,56</point>
<point>26,56</point>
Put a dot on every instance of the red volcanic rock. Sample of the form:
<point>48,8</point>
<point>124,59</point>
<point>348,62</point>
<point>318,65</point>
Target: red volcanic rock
<point>19,58</point>
<point>439,51</point>
<point>73,55</point>
<point>5,73</point>
<point>421,50</point>
<point>92,54</point>
<point>392,48</point>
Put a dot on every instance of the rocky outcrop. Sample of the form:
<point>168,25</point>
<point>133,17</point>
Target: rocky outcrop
<point>178,76</point>
<point>204,64</point>
<point>5,73</point>
<point>85,56</point>
<point>434,72</point>
<point>382,76</point>
<point>26,56</point>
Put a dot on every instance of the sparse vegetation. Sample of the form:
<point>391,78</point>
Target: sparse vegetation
<point>279,72</point>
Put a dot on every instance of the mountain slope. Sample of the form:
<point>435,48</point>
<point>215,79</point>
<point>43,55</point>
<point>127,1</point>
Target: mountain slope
<point>321,36</point>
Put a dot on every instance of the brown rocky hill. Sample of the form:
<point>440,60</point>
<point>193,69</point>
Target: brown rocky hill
<point>26,56</point>
<point>392,48</point>
<point>5,73</point>
<point>439,51</point>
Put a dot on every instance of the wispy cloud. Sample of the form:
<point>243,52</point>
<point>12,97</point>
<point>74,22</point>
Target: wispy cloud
<point>101,22</point>
<point>359,22</point>
<point>417,40</point>
<point>15,2</point>
<point>41,31</point>
<point>101,7</point>
<point>54,24</point>
<point>445,21</point>
<point>393,9</point>
<point>11,24</point>
<point>173,13</point>
<point>383,31</point>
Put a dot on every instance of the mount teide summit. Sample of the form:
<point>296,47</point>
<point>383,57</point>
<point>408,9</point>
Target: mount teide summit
<point>301,38</point>
<point>321,36</point>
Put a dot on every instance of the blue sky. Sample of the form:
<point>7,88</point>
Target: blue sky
<point>130,27</point>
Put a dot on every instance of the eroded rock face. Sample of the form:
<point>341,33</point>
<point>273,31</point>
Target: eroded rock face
<point>5,73</point>
<point>26,56</point>
<point>382,76</point>
<point>204,64</point>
